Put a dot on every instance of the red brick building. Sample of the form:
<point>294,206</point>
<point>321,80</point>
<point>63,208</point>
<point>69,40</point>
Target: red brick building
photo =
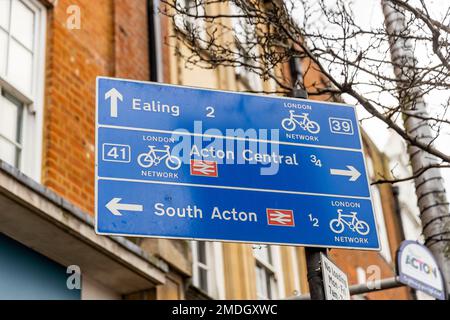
<point>112,41</point>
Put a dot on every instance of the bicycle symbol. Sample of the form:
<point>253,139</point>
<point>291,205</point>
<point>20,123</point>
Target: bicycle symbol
<point>302,120</point>
<point>152,157</point>
<point>350,220</point>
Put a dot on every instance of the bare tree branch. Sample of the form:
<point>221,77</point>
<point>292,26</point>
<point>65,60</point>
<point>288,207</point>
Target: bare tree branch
<point>411,177</point>
<point>259,38</point>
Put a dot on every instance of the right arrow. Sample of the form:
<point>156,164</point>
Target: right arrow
<point>113,95</point>
<point>352,172</point>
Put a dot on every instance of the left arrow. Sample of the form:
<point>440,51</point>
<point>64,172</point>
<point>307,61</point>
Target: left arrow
<point>114,206</point>
<point>113,95</point>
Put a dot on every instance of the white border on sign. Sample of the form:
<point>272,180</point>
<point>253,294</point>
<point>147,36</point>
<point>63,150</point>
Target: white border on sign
<point>368,179</point>
<point>338,132</point>
<point>193,134</point>
<point>227,240</point>
<point>213,186</point>
<point>117,145</point>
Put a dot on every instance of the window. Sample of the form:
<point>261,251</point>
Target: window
<point>22,39</point>
<point>247,48</point>
<point>266,276</point>
<point>189,23</point>
<point>207,268</point>
<point>379,215</point>
<point>10,129</point>
<point>295,271</point>
<point>201,265</point>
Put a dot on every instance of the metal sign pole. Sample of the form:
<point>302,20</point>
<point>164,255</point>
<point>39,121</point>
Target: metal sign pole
<point>315,280</point>
<point>313,265</point>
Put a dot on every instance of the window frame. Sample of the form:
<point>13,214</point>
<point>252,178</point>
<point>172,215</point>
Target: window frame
<point>273,272</point>
<point>197,265</point>
<point>33,101</point>
<point>18,139</point>
<point>213,267</point>
<point>247,77</point>
<point>191,22</point>
<point>383,236</point>
<point>295,271</point>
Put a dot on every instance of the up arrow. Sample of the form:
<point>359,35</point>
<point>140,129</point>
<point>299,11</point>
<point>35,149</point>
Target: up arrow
<point>114,206</point>
<point>352,172</point>
<point>113,95</point>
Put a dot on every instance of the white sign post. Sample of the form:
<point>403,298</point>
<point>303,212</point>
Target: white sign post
<point>334,280</point>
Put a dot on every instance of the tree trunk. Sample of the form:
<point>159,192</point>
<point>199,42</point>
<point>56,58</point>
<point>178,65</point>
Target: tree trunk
<point>430,191</point>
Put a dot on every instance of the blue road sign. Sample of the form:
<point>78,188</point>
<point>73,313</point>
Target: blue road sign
<point>179,162</point>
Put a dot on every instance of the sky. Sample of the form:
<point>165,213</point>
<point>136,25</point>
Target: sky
<point>369,15</point>
<point>369,12</point>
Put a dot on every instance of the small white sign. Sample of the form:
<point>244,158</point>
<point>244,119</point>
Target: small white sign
<point>335,281</point>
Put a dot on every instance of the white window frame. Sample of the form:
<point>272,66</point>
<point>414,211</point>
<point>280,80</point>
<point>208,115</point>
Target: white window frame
<point>409,211</point>
<point>295,270</point>
<point>273,269</point>
<point>192,21</point>
<point>379,214</point>
<point>250,79</point>
<point>214,268</point>
<point>32,117</point>
<point>16,142</point>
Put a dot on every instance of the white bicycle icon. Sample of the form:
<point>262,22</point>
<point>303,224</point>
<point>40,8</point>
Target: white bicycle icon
<point>302,120</point>
<point>350,220</point>
<point>152,157</point>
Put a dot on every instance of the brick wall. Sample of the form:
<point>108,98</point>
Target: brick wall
<point>112,41</point>
<point>131,41</point>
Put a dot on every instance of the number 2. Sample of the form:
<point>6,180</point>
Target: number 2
<point>210,111</point>
<point>314,220</point>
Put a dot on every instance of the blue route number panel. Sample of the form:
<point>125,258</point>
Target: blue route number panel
<point>180,162</point>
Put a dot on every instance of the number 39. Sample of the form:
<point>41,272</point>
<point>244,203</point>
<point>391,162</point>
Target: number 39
<point>341,125</point>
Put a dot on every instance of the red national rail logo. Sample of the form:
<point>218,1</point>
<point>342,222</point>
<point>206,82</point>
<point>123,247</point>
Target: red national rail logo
<point>280,217</point>
<point>203,168</point>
